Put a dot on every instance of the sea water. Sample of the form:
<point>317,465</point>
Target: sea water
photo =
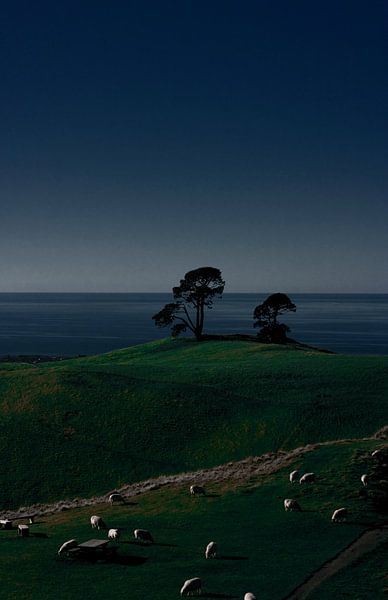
<point>72,324</point>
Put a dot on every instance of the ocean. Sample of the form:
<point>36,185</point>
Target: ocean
<point>72,324</point>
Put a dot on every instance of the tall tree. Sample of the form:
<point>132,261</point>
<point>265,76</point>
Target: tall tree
<point>266,316</point>
<point>195,292</point>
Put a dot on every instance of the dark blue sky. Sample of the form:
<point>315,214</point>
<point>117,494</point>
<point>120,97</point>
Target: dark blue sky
<point>140,140</point>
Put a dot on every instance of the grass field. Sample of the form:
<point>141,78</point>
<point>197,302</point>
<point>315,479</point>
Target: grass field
<point>262,548</point>
<point>86,426</point>
<point>366,578</point>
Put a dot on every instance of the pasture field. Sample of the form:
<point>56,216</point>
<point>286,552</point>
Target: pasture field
<point>262,548</point>
<point>86,426</point>
<point>366,578</point>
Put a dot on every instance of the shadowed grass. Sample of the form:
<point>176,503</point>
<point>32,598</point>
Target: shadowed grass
<point>262,548</point>
<point>366,578</point>
<point>86,426</point>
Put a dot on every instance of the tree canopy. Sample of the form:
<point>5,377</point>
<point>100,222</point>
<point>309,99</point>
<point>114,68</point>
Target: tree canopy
<point>195,292</point>
<point>266,316</point>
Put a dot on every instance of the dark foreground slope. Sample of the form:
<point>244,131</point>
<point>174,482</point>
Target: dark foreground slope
<point>86,426</point>
<point>262,548</point>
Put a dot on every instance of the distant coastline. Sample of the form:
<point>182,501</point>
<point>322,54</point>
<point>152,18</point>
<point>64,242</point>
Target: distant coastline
<point>35,358</point>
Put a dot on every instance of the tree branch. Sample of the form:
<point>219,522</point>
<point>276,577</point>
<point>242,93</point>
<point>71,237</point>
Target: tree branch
<point>185,322</point>
<point>188,317</point>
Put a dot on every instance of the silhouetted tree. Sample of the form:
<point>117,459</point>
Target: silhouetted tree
<point>195,292</point>
<point>266,317</point>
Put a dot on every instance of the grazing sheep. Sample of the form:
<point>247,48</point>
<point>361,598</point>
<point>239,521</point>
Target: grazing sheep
<point>191,587</point>
<point>307,478</point>
<point>64,549</point>
<point>211,550</point>
<point>97,522</point>
<point>381,455</point>
<point>5,524</point>
<point>364,479</point>
<point>115,497</point>
<point>249,596</point>
<point>294,476</point>
<point>114,534</point>
<point>290,504</point>
<point>339,515</point>
<point>143,535</point>
<point>196,490</point>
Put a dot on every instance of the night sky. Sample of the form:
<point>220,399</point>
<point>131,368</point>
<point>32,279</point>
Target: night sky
<point>140,140</point>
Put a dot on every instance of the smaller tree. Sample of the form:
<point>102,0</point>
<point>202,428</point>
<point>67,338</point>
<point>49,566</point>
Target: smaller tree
<point>195,292</point>
<point>266,317</point>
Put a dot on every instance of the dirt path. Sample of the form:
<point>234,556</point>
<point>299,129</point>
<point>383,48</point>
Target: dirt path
<point>367,541</point>
<point>240,471</point>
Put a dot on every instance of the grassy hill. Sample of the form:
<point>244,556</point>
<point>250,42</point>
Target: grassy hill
<point>262,548</point>
<point>86,426</point>
<point>366,578</point>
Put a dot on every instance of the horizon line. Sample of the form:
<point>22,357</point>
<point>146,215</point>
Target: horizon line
<point>169,292</point>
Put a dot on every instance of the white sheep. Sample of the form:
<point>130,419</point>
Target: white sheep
<point>211,550</point>
<point>67,546</point>
<point>307,478</point>
<point>364,479</point>
<point>114,534</point>
<point>5,524</point>
<point>249,596</point>
<point>191,587</point>
<point>294,476</point>
<point>143,535</point>
<point>116,497</point>
<point>97,522</point>
<point>339,515</point>
<point>290,504</point>
<point>196,490</point>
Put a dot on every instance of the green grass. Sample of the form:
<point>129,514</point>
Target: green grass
<point>266,550</point>
<point>366,578</point>
<point>86,426</point>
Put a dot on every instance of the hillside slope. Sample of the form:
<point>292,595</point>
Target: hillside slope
<point>85,426</point>
<point>262,548</point>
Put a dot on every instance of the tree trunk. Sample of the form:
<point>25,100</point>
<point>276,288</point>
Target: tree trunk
<point>199,319</point>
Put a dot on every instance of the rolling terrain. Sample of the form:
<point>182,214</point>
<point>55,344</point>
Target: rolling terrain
<point>262,548</point>
<point>233,416</point>
<point>82,427</point>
